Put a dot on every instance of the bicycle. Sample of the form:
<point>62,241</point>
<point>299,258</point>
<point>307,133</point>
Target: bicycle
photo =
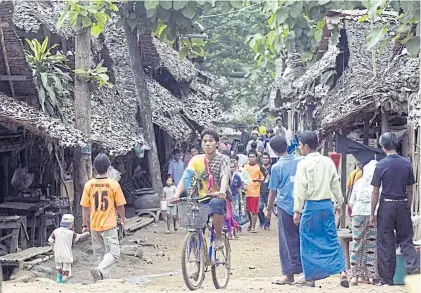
<point>195,217</point>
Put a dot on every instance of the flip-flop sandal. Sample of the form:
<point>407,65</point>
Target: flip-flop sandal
<point>304,283</point>
<point>248,229</point>
<point>344,282</point>
<point>253,231</point>
<point>280,282</point>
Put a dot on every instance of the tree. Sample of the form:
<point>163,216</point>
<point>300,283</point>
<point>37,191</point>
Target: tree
<point>168,20</point>
<point>228,55</point>
<point>88,18</point>
<point>298,26</point>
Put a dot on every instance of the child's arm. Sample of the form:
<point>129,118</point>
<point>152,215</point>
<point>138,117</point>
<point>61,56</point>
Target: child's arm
<point>80,237</point>
<point>52,239</point>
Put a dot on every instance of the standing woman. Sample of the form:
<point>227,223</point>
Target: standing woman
<point>364,235</point>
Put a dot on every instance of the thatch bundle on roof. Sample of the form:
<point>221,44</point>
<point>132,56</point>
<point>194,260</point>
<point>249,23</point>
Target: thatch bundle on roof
<point>342,86</point>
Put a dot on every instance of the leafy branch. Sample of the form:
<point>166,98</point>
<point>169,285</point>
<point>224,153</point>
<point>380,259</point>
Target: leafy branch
<point>97,76</point>
<point>94,15</point>
<point>50,75</point>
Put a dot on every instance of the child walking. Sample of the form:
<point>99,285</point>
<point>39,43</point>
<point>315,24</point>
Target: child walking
<point>62,240</point>
<point>168,193</point>
<point>257,174</point>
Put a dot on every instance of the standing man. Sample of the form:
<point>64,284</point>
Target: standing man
<point>245,135</point>
<point>176,167</point>
<point>255,139</point>
<point>210,174</point>
<point>394,225</point>
<point>281,187</point>
<point>264,193</point>
<point>317,194</point>
<point>101,197</point>
<point>280,129</point>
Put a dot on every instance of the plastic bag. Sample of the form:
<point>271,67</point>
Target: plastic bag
<point>114,174</point>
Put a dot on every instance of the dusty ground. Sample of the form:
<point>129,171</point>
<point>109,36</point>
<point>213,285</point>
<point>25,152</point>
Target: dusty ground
<point>254,265</point>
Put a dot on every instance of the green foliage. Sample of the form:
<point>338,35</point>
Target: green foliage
<point>97,76</point>
<point>293,26</point>
<point>227,53</point>
<point>93,16</point>
<point>51,79</point>
<point>169,20</point>
<point>408,30</point>
<point>298,26</point>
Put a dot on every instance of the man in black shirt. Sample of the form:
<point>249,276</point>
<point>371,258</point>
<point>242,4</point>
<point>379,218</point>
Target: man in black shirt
<point>245,135</point>
<point>394,225</point>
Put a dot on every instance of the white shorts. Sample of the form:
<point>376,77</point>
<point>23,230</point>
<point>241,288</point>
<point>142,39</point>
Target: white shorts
<point>172,211</point>
<point>64,266</point>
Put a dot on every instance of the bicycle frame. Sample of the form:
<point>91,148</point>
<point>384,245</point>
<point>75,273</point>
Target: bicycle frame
<point>210,257</point>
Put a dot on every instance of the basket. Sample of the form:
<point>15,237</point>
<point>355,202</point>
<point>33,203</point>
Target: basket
<point>193,215</point>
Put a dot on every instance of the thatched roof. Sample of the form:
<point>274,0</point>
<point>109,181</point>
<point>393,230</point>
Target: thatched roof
<point>117,127</point>
<point>113,125</point>
<point>359,91</point>
<point>37,122</point>
<point>340,97</point>
<point>21,89</point>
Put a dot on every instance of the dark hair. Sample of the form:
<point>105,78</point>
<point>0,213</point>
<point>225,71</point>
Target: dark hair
<point>253,145</point>
<point>266,154</point>
<point>389,141</point>
<point>210,132</point>
<point>309,138</point>
<point>256,127</point>
<point>176,152</point>
<point>101,163</point>
<point>252,152</point>
<point>234,157</point>
<point>241,148</point>
<point>279,144</point>
<point>279,119</point>
<point>269,130</point>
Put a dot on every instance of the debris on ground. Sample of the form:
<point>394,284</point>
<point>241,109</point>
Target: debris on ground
<point>137,223</point>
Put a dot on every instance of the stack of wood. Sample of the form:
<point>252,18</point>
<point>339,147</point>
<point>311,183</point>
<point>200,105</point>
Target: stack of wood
<point>136,223</point>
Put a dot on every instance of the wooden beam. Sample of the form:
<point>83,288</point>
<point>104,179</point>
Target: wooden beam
<point>6,60</point>
<point>12,77</point>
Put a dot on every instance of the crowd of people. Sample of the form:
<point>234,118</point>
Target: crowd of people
<point>241,181</point>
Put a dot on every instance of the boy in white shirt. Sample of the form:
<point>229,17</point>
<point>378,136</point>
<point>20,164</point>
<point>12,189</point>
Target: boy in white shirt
<point>62,240</point>
<point>167,194</point>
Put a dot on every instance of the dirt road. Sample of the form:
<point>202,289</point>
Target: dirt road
<point>255,263</point>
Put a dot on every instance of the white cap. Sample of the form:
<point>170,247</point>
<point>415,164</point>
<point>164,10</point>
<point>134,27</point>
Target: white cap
<point>67,218</point>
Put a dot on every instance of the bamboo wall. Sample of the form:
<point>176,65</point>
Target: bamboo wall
<point>415,140</point>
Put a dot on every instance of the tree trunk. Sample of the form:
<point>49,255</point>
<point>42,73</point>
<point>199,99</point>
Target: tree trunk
<point>82,164</point>
<point>144,107</point>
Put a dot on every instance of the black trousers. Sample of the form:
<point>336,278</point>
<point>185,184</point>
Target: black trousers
<point>394,228</point>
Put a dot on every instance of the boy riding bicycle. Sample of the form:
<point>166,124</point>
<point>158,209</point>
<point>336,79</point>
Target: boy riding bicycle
<point>211,171</point>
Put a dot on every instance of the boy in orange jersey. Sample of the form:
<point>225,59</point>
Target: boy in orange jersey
<point>101,198</point>
<point>257,174</point>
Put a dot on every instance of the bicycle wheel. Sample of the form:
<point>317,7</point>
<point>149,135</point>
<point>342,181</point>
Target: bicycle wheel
<point>221,267</point>
<point>193,253</point>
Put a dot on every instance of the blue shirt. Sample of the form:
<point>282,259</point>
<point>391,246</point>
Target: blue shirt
<point>176,170</point>
<point>235,185</point>
<point>282,180</point>
<point>393,173</point>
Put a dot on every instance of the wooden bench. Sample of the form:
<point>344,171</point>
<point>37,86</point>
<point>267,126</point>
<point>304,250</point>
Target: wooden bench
<point>345,237</point>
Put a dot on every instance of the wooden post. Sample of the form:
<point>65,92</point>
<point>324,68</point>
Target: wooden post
<point>385,124</point>
<point>343,187</point>
<point>366,129</point>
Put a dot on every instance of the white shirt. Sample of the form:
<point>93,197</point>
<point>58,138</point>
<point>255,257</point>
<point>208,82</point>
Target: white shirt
<point>316,179</point>
<point>169,192</point>
<point>242,160</point>
<point>63,240</point>
<point>258,142</point>
<point>287,133</point>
